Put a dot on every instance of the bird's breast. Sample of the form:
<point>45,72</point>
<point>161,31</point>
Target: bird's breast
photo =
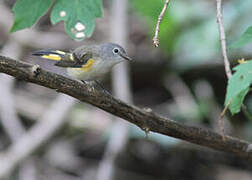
<point>90,71</point>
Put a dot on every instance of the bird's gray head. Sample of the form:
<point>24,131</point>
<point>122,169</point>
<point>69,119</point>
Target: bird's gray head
<point>113,52</point>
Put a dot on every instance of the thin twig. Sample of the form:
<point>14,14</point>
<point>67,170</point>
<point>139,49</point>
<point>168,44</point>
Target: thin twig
<point>223,39</point>
<point>220,120</point>
<point>205,93</point>
<point>155,38</point>
<point>141,118</point>
<point>224,54</point>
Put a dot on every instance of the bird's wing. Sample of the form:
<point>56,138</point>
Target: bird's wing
<point>79,58</point>
<point>75,59</point>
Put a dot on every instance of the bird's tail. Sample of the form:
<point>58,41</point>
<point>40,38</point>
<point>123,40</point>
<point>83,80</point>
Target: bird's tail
<point>54,55</point>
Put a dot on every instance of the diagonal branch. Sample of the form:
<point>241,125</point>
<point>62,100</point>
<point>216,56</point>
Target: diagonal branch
<point>142,118</point>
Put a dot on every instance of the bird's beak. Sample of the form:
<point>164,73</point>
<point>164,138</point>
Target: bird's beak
<point>125,57</point>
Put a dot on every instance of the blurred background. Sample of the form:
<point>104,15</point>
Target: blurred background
<point>46,135</point>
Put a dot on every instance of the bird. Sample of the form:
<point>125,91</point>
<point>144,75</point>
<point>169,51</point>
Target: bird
<point>87,62</point>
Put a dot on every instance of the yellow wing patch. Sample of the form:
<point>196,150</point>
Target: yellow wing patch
<point>60,52</point>
<point>54,57</point>
<point>71,57</point>
<point>87,67</point>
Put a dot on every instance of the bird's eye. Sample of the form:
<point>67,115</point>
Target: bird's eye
<point>115,50</point>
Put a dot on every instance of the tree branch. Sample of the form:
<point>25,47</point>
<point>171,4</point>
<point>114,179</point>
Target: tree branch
<point>142,118</point>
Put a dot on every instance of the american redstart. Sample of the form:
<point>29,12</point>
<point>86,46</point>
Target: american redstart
<point>87,62</point>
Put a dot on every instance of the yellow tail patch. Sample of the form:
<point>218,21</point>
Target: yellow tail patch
<point>54,57</point>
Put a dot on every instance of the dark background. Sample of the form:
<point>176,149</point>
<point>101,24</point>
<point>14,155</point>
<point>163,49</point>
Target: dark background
<point>184,80</point>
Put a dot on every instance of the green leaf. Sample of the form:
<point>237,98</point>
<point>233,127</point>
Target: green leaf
<point>245,39</point>
<point>27,12</point>
<point>81,12</point>
<point>239,86</point>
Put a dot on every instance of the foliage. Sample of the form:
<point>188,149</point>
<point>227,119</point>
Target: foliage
<point>238,86</point>
<point>245,39</point>
<point>27,12</point>
<point>76,12</point>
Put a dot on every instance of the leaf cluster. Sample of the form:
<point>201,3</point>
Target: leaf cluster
<point>78,15</point>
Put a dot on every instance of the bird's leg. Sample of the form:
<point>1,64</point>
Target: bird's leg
<point>100,85</point>
<point>88,83</point>
<point>84,82</point>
